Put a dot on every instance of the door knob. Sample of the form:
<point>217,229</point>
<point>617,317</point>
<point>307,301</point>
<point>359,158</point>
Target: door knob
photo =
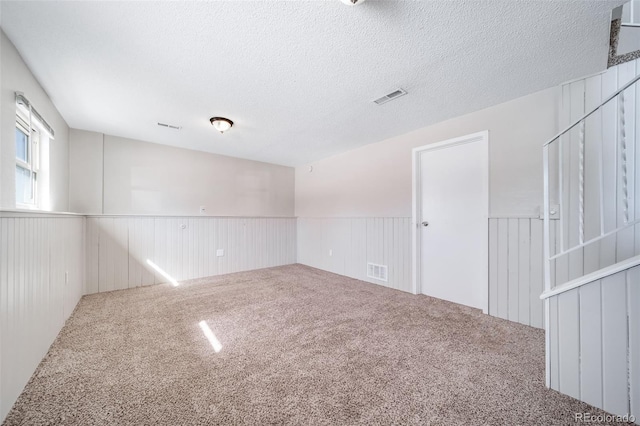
<point>425,224</point>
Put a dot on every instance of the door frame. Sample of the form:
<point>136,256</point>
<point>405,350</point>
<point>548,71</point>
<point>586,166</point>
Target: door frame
<point>417,204</point>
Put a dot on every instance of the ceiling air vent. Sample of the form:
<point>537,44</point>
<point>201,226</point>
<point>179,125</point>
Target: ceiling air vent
<point>169,126</point>
<point>390,96</point>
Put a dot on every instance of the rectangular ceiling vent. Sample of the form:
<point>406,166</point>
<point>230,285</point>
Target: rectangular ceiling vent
<point>169,126</point>
<point>377,272</point>
<point>390,96</point>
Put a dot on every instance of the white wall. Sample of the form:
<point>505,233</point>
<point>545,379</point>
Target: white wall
<point>629,40</point>
<point>16,77</point>
<point>36,250</point>
<point>136,177</point>
<point>85,171</point>
<point>375,180</point>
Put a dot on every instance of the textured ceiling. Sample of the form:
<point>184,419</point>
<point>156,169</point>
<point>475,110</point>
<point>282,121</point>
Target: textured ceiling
<point>298,78</point>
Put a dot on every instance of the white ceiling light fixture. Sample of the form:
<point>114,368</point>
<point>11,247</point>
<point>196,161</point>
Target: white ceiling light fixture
<point>221,124</point>
<point>352,2</point>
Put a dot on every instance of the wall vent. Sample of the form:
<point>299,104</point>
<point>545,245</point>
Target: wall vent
<point>390,96</point>
<point>377,272</point>
<point>169,126</point>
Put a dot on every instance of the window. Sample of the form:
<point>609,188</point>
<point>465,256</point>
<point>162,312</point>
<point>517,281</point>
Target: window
<point>32,136</point>
<point>27,162</point>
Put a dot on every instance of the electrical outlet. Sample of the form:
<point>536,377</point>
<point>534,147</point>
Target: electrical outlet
<point>203,210</point>
<point>220,252</point>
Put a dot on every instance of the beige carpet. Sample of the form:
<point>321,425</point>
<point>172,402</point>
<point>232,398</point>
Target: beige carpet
<point>299,346</point>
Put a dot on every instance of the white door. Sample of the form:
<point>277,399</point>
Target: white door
<point>453,221</point>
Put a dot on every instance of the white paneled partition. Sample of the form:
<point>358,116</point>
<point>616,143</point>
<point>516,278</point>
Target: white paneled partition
<point>595,331</point>
<point>119,248</point>
<point>516,270</point>
<point>593,292</point>
<point>345,245</point>
<point>41,281</point>
<point>609,158</point>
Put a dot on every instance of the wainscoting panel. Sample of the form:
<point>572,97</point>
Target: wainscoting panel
<point>516,271</point>
<point>132,251</point>
<point>41,281</point>
<point>595,341</point>
<point>345,245</point>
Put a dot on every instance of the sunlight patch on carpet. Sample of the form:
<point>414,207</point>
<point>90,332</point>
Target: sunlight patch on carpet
<point>215,343</point>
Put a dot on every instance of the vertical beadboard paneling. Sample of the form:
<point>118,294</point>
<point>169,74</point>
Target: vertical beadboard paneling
<point>536,278</point>
<point>554,343</point>
<point>355,241</point>
<point>515,258</point>
<point>571,191</point>
<point>592,159</point>
<point>609,126</point>
<point>590,344</point>
<point>626,129</point>
<point>595,329</point>
<point>636,160</point>
<point>633,310</point>
<point>569,343</point>
<point>595,345</point>
<point>493,268</point>
<point>41,281</point>
<point>614,344</point>
<point>118,248</point>
<point>524,271</point>
<point>503,267</point>
<point>516,270</point>
<point>512,270</point>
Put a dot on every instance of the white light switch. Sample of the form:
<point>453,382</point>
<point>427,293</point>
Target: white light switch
<point>220,252</point>
<point>330,252</point>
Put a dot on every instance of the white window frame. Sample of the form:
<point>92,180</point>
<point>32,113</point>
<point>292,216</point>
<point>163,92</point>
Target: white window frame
<point>33,159</point>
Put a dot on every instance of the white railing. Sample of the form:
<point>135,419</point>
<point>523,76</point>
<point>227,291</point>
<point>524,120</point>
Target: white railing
<point>572,213</point>
<point>592,277</point>
<point>590,183</point>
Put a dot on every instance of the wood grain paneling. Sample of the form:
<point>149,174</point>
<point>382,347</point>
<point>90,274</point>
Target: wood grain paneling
<point>41,281</point>
<point>118,248</point>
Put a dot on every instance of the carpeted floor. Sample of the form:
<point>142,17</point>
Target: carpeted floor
<point>299,346</point>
